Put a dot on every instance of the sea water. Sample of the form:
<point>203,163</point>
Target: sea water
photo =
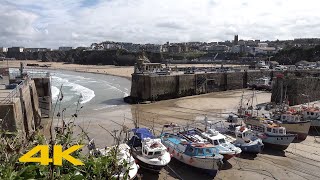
<point>92,92</point>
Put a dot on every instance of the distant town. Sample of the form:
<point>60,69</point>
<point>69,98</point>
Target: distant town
<point>237,45</point>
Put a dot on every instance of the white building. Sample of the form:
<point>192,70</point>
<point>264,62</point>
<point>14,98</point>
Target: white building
<point>263,45</point>
<point>3,49</point>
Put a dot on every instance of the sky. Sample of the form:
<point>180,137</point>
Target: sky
<point>54,23</point>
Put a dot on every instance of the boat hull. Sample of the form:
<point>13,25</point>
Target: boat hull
<point>154,167</point>
<point>300,128</point>
<point>278,142</point>
<point>227,156</point>
<point>315,124</point>
<point>252,148</point>
<point>150,167</point>
<point>207,163</point>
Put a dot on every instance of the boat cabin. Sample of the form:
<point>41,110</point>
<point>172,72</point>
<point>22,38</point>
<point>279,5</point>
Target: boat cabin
<point>243,132</point>
<point>290,117</point>
<point>311,113</point>
<point>215,137</point>
<point>268,127</point>
<point>152,148</point>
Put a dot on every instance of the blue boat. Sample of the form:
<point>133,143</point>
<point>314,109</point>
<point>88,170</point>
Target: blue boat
<point>197,154</point>
<point>247,140</point>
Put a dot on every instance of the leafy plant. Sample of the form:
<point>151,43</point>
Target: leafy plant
<point>14,145</point>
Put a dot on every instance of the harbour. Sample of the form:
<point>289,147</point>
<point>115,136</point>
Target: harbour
<point>297,161</point>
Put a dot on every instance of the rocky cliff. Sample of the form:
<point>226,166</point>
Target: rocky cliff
<point>111,57</point>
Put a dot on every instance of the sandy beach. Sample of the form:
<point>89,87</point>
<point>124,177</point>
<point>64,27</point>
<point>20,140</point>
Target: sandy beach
<point>299,161</point>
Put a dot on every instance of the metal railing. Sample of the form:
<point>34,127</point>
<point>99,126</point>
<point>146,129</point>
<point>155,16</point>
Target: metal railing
<point>15,93</point>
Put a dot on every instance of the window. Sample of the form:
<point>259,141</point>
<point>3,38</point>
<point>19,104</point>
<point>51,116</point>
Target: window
<point>150,154</point>
<point>145,151</point>
<point>215,142</point>
<point>200,152</point>
<point>268,129</point>
<point>312,114</point>
<point>274,131</point>
<point>157,153</point>
<point>281,131</point>
<point>190,150</point>
<point>208,151</point>
<point>307,113</point>
<point>239,136</point>
<point>222,141</point>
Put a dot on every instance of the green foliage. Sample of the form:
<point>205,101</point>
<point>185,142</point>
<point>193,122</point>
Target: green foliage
<point>101,167</point>
<point>14,145</point>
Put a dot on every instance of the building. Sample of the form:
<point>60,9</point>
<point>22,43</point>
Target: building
<point>15,49</point>
<point>35,49</point>
<point>263,45</point>
<point>65,48</point>
<point>153,48</point>
<point>218,48</point>
<point>174,49</point>
<point>265,50</point>
<point>3,49</point>
<point>236,39</point>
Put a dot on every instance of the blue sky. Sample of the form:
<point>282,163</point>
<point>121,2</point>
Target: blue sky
<point>54,23</point>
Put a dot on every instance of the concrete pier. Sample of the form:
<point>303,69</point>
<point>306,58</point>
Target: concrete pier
<point>153,87</point>
<point>20,100</point>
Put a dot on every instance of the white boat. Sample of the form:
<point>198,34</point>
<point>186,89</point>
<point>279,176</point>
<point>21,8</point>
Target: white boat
<point>272,135</point>
<point>149,152</point>
<point>295,125</point>
<point>123,154</point>
<point>312,114</point>
<point>226,148</point>
<point>247,140</point>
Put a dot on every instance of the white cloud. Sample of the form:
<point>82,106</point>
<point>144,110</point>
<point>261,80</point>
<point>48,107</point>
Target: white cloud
<point>48,23</point>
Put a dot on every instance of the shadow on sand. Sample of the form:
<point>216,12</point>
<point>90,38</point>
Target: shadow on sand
<point>270,151</point>
<point>179,170</point>
<point>248,156</point>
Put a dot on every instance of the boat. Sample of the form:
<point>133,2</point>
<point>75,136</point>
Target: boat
<point>247,140</point>
<point>273,135</point>
<point>226,148</point>
<point>312,114</point>
<point>214,136</point>
<point>202,155</point>
<point>294,123</point>
<point>123,154</point>
<point>148,151</point>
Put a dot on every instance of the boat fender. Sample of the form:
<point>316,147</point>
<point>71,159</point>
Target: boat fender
<point>191,160</point>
